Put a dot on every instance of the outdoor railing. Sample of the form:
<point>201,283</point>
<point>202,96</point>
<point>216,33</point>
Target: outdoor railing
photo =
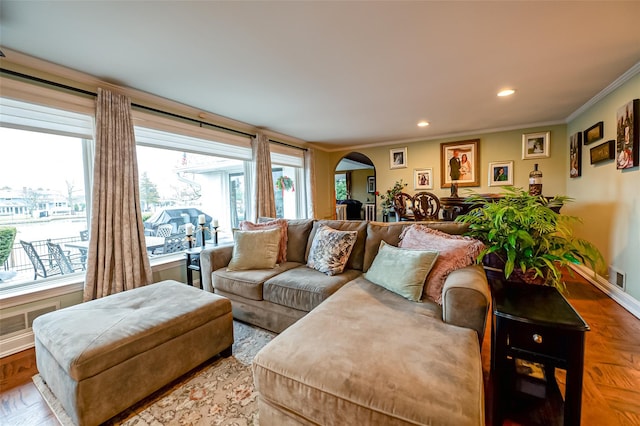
<point>19,261</point>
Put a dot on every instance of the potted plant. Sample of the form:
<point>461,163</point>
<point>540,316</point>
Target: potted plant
<point>389,195</point>
<point>530,241</point>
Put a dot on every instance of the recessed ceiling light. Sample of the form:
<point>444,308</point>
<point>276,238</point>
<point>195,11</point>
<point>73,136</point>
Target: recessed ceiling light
<point>506,92</point>
<point>423,123</point>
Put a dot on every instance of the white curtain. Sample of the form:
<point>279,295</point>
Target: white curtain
<point>310,180</point>
<point>264,203</point>
<point>117,258</point>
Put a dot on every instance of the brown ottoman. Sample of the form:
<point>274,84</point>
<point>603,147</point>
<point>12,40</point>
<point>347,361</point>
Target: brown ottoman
<point>100,357</point>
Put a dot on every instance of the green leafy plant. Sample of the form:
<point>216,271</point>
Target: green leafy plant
<point>7,237</point>
<point>388,196</point>
<point>528,237</point>
<point>284,183</point>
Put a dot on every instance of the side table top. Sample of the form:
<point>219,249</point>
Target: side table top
<point>535,304</point>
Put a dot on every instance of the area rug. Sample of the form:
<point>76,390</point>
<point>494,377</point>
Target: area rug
<point>219,392</point>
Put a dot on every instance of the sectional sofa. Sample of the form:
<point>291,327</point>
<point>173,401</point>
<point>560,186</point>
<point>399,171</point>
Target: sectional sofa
<point>351,351</point>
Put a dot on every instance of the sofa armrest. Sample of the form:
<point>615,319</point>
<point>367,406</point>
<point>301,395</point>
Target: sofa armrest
<point>466,299</point>
<point>211,259</point>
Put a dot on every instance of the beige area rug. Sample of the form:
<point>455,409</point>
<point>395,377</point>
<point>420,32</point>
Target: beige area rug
<point>219,392</point>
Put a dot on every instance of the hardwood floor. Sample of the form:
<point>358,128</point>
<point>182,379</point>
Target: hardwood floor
<point>611,388</point>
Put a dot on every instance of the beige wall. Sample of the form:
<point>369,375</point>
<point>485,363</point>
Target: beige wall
<point>501,146</point>
<point>608,200</point>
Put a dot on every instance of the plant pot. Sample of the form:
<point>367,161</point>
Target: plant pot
<point>494,267</point>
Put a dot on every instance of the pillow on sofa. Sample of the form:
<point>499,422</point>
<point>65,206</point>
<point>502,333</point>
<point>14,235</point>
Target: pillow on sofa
<point>455,252</point>
<point>281,224</point>
<point>401,270</point>
<point>330,250</point>
<point>255,249</point>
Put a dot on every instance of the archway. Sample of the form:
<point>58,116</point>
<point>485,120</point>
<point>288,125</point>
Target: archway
<point>355,187</point>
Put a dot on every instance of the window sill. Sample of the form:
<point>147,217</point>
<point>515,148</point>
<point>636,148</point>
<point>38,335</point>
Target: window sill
<point>66,285</point>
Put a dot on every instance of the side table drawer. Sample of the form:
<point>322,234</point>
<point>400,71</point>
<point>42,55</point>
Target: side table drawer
<point>537,339</point>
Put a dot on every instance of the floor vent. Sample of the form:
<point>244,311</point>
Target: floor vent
<point>617,278</point>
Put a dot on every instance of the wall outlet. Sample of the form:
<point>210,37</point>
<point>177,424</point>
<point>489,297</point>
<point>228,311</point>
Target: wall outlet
<point>617,278</point>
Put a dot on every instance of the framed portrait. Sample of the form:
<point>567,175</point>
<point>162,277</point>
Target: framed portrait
<point>501,173</point>
<point>371,184</point>
<point>575,155</point>
<point>423,178</point>
<point>627,140</point>
<point>398,158</point>
<point>594,133</point>
<point>535,145</point>
<point>459,162</point>
<point>603,152</point>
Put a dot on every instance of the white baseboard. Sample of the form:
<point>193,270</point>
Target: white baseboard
<point>18,343</point>
<point>623,299</point>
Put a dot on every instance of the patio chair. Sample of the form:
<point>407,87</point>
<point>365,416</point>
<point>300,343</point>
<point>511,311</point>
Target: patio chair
<point>172,244</point>
<point>42,264</point>
<point>67,264</point>
<point>164,230</point>
<point>84,236</point>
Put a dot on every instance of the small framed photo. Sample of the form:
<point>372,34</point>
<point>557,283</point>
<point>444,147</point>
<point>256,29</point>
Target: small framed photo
<point>423,178</point>
<point>575,155</point>
<point>398,158</point>
<point>501,173</point>
<point>594,133</point>
<point>371,184</point>
<point>603,152</point>
<point>535,145</point>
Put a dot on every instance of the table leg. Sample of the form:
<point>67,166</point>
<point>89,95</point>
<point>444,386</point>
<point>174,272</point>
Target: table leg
<point>500,373</point>
<point>573,391</point>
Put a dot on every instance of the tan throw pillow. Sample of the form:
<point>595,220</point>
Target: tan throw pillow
<point>330,250</point>
<point>455,252</point>
<point>400,270</point>
<point>277,223</point>
<point>255,250</point>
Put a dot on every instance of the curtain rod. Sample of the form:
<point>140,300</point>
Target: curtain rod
<point>89,93</point>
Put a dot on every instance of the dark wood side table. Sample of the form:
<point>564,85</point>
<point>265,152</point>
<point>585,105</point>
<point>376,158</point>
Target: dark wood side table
<point>535,323</point>
<point>192,262</point>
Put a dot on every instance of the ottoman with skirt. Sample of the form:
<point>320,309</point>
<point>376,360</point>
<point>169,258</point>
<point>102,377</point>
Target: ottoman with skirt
<point>100,357</point>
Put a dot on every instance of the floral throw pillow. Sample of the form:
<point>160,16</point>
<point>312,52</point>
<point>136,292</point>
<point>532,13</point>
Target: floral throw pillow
<point>330,250</point>
<point>455,252</point>
<point>245,225</point>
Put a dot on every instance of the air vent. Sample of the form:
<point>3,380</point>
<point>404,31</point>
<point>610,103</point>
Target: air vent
<point>617,278</point>
<point>22,320</point>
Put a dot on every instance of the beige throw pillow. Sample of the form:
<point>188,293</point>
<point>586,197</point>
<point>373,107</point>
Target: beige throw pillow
<point>281,224</point>
<point>255,249</point>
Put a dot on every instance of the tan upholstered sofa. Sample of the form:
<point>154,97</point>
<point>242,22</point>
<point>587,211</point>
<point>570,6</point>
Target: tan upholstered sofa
<point>350,351</point>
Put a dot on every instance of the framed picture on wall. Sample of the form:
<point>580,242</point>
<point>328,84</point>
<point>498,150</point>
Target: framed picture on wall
<point>627,140</point>
<point>398,158</point>
<point>575,155</point>
<point>459,162</point>
<point>535,145</point>
<point>423,178</point>
<point>371,184</point>
<point>594,133</point>
<point>501,173</point>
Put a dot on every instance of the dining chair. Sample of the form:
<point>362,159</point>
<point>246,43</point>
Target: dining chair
<point>68,264</point>
<point>403,206</point>
<point>426,206</point>
<point>42,264</point>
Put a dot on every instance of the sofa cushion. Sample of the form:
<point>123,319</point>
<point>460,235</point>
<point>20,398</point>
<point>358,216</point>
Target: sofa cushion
<point>455,252</point>
<point>402,271</point>
<point>248,283</point>
<point>304,288</point>
<point>330,250</point>
<point>357,253</point>
<point>389,232</point>
<point>369,356</point>
<point>255,249</point>
<point>298,231</point>
<point>281,224</point>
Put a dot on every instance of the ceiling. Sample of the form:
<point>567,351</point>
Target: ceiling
<point>344,73</point>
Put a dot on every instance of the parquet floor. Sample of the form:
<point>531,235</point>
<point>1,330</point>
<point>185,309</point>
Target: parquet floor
<point>611,388</point>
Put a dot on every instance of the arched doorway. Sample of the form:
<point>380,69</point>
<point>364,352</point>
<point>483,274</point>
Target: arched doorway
<point>355,187</point>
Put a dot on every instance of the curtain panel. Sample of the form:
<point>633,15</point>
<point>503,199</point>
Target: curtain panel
<point>264,198</point>
<point>117,258</point>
